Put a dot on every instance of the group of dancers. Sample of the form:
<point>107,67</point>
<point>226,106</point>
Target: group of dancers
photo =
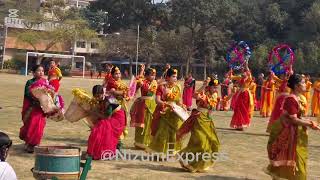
<point>158,128</point>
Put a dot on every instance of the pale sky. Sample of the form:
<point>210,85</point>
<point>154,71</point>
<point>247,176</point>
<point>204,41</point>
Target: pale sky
<point>157,1</point>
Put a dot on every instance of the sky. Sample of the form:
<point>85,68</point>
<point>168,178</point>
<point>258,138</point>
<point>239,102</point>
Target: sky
<point>157,1</point>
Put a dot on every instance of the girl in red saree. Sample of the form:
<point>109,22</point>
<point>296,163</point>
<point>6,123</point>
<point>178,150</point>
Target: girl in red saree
<point>33,117</point>
<point>54,75</point>
<point>189,86</point>
<point>203,138</point>
<point>244,101</point>
<point>117,88</point>
<point>105,134</point>
<point>288,140</point>
<point>142,109</point>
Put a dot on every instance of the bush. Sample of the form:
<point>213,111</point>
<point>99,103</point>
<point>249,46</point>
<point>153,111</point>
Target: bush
<point>13,64</point>
<point>65,70</point>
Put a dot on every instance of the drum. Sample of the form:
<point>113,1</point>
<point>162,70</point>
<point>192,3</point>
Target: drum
<point>80,105</point>
<point>62,162</point>
<point>182,113</point>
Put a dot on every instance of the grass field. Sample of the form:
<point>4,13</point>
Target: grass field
<point>246,150</point>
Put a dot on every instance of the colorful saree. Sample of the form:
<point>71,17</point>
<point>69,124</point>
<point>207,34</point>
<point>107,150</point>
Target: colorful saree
<point>34,119</point>
<point>166,123</point>
<point>288,144</point>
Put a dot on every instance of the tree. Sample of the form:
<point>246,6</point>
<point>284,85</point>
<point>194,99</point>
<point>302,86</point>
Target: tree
<point>67,29</point>
<point>199,16</point>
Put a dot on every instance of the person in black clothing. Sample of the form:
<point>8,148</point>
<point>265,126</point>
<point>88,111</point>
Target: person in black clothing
<point>258,90</point>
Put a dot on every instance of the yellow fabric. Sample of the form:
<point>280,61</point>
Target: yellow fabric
<point>143,135</point>
<point>203,139</point>
<point>165,137</point>
<point>169,123</point>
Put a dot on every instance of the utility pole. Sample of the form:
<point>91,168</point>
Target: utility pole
<point>137,56</point>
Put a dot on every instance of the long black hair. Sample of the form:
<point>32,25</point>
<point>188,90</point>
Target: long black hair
<point>34,68</point>
<point>294,80</point>
<point>97,89</point>
<point>171,72</point>
<point>5,144</point>
<point>148,71</point>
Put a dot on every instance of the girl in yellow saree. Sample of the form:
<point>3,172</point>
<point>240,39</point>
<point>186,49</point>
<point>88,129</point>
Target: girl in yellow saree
<point>288,141</point>
<point>165,122</point>
<point>203,138</point>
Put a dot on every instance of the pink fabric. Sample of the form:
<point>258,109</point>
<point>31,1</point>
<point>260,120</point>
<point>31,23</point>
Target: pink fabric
<point>32,130</point>
<point>187,96</point>
<point>105,135</point>
<point>241,115</point>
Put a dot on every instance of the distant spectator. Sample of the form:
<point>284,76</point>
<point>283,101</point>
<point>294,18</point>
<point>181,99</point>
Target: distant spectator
<point>91,73</point>
<point>168,66</point>
<point>126,74</point>
<point>100,74</point>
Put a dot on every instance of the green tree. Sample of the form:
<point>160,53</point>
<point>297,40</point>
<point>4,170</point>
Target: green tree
<point>67,29</point>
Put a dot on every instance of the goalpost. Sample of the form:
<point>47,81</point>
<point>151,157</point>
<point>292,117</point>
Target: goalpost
<point>55,56</point>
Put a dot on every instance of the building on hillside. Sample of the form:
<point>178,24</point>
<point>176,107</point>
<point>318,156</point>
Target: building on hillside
<point>74,3</point>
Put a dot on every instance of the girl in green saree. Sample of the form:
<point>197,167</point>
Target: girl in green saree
<point>166,122</point>
<point>203,138</point>
<point>288,141</point>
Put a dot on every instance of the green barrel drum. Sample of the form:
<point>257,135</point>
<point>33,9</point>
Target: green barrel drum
<point>62,162</point>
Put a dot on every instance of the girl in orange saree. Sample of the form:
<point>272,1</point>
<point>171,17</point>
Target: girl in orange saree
<point>288,140</point>
<point>267,94</point>
<point>315,106</point>
<point>307,94</point>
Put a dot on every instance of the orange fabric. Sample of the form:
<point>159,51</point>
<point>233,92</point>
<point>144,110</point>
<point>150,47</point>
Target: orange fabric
<point>253,87</point>
<point>55,71</point>
<point>307,94</point>
<point>315,106</point>
<point>267,97</point>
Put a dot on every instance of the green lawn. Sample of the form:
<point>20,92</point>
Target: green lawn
<point>246,150</point>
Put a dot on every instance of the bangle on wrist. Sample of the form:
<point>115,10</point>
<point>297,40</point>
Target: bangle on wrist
<point>314,124</point>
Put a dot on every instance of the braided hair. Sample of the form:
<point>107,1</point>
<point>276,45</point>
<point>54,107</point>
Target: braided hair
<point>5,144</point>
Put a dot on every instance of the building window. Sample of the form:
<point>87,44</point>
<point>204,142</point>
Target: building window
<point>94,45</point>
<point>81,44</point>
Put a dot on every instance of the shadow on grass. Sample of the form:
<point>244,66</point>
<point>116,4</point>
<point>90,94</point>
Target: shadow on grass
<point>220,178</point>
<point>164,168</point>
<point>234,131</point>
<point>18,150</point>
<point>68,140</point>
